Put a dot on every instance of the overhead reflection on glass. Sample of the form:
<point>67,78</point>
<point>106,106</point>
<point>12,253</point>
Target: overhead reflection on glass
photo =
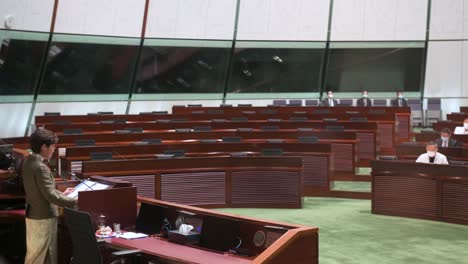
<point>20,61</point>
<point>166,69</point>
<point>270,70</point>
<point>88,68</point>
<point>374,69</point>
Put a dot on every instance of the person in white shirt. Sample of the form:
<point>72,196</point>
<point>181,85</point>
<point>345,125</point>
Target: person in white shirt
<point>462,130</point>
<point>432,156</point>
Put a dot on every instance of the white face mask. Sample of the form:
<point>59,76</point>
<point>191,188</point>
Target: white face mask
<point>431,153</point>
<point>444,138</point>
<point>400,96</point>
<point>465,125</point>
<point>364,95</point>
<point>330,95</point>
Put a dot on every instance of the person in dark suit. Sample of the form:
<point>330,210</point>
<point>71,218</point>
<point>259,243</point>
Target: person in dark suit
<point>42,199</point>
<point>445,141</point>
<point>329,101</point>
<point>364,100</point>
<point>400,101</point>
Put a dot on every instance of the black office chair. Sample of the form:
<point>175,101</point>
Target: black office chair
<point>85,245</point>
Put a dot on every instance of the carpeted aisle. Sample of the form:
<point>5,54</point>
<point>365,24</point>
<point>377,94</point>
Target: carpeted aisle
<point>349,233</point>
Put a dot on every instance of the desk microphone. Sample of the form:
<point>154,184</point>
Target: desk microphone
<point>73,176</point>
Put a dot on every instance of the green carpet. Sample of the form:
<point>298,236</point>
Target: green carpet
<point>351,186</point>
<point>350,234</point>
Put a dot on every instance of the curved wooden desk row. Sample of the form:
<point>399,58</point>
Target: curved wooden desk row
<point>413,151</point>
<point>286,243</point>
<point>215,118</point>
<point>211,181</point>
<point>317,162</point>
<point>289,109</point>
<point>344,150</point>
<point>464,109</point>
<point>427,137</point>
<point>457,117</point>
<point>418,190</point>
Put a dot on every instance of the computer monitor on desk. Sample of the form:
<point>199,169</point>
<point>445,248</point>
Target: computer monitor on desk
<point>150,219</point>
<point>220,234</point>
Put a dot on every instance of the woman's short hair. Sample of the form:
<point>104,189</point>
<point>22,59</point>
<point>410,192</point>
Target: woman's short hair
<point>42,136</point>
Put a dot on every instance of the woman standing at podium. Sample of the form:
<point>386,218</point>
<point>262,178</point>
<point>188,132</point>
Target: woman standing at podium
<point>42,200</point>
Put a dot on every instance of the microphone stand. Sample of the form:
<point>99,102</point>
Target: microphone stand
<point>73,175</point>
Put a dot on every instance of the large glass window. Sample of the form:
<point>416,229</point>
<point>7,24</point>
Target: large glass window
<point>89,65</point>
<point>182,66</point>
<point>20,60</point>
<point>375,67</point>
<point>276,67</point>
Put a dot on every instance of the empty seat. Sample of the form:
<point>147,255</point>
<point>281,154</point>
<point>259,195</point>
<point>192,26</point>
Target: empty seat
<point>134,129</point>
<point>100,155</point>
<point>298,118</point>
<point>330,119</point>
<point>122,131</point>
<point>105,113</point>
<point>244,105</point>
<point>208,140</point>
<point>239,119</point>
<point>272,152</point>
<point>358,119</point>
<point>416,112</point>
<point>225,105</point>
<point>198,112</point>
<point>239,154</point>
<point>275,140</point>
<point>152,140</point>
<point>218,120</point>
<point>159,112</point>
<point>61,122</point>
<point>433,112</point>
<point>308,139</point>
<point>379,102</point>
<point>72,131</point>
<point>244,129</point>
<point>194,105</point>
<point>304,129</point>
<point>274,120</point>
<point>201,128</point>
<point>85,142</point>
<point>232,139</point>
<point>279,102</point>
<point>311,102</point>
<point>270,128</point>
<point>295,102</point>
<point>176,152</point>
<point>183,129</point>
<point>346,102</point>
<point>335,128</point>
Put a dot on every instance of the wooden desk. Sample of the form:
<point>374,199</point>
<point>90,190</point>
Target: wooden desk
<point>457,117</point>
<point>231,181</point>
<point>427,137</point>
<point>412,152</point>
<point>464,109</point>
<point>418,190</point>
<point>299,244</point>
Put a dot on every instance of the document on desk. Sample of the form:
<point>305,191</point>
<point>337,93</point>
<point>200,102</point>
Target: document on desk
<point>87,185</point>
<point>133,235</point>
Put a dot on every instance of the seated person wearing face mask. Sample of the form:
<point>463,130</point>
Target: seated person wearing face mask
<point>462,130</point>
<point>400,101</point>
<point>364,101</point>
<point>329,101</point>
<point>432,156</point>
<point>445,140</point>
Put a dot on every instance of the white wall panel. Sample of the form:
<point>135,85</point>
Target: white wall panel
<point>14,123</point>
<point>100,17</point>
<point>450,105</point>
<point>283,20</point>
<point>447,19</point>
<point>411,20</point>
<point>444,69</point>
<point>191,19</point>
<point>464,86</point>
<point>137,107</point>
<point>379,20</point>
<point>348,20</point>
<point>80,108</point>
<point>30,15</point>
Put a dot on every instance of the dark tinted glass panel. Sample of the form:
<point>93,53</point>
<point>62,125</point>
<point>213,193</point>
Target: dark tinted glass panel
<point>86,68</point>
<point>270,70</point>
<point>165,69</point>
<point>375,69</point>
<point>20,62</point>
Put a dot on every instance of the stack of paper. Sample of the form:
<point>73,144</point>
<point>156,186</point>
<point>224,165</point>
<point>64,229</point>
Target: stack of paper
<point>132,235</point>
